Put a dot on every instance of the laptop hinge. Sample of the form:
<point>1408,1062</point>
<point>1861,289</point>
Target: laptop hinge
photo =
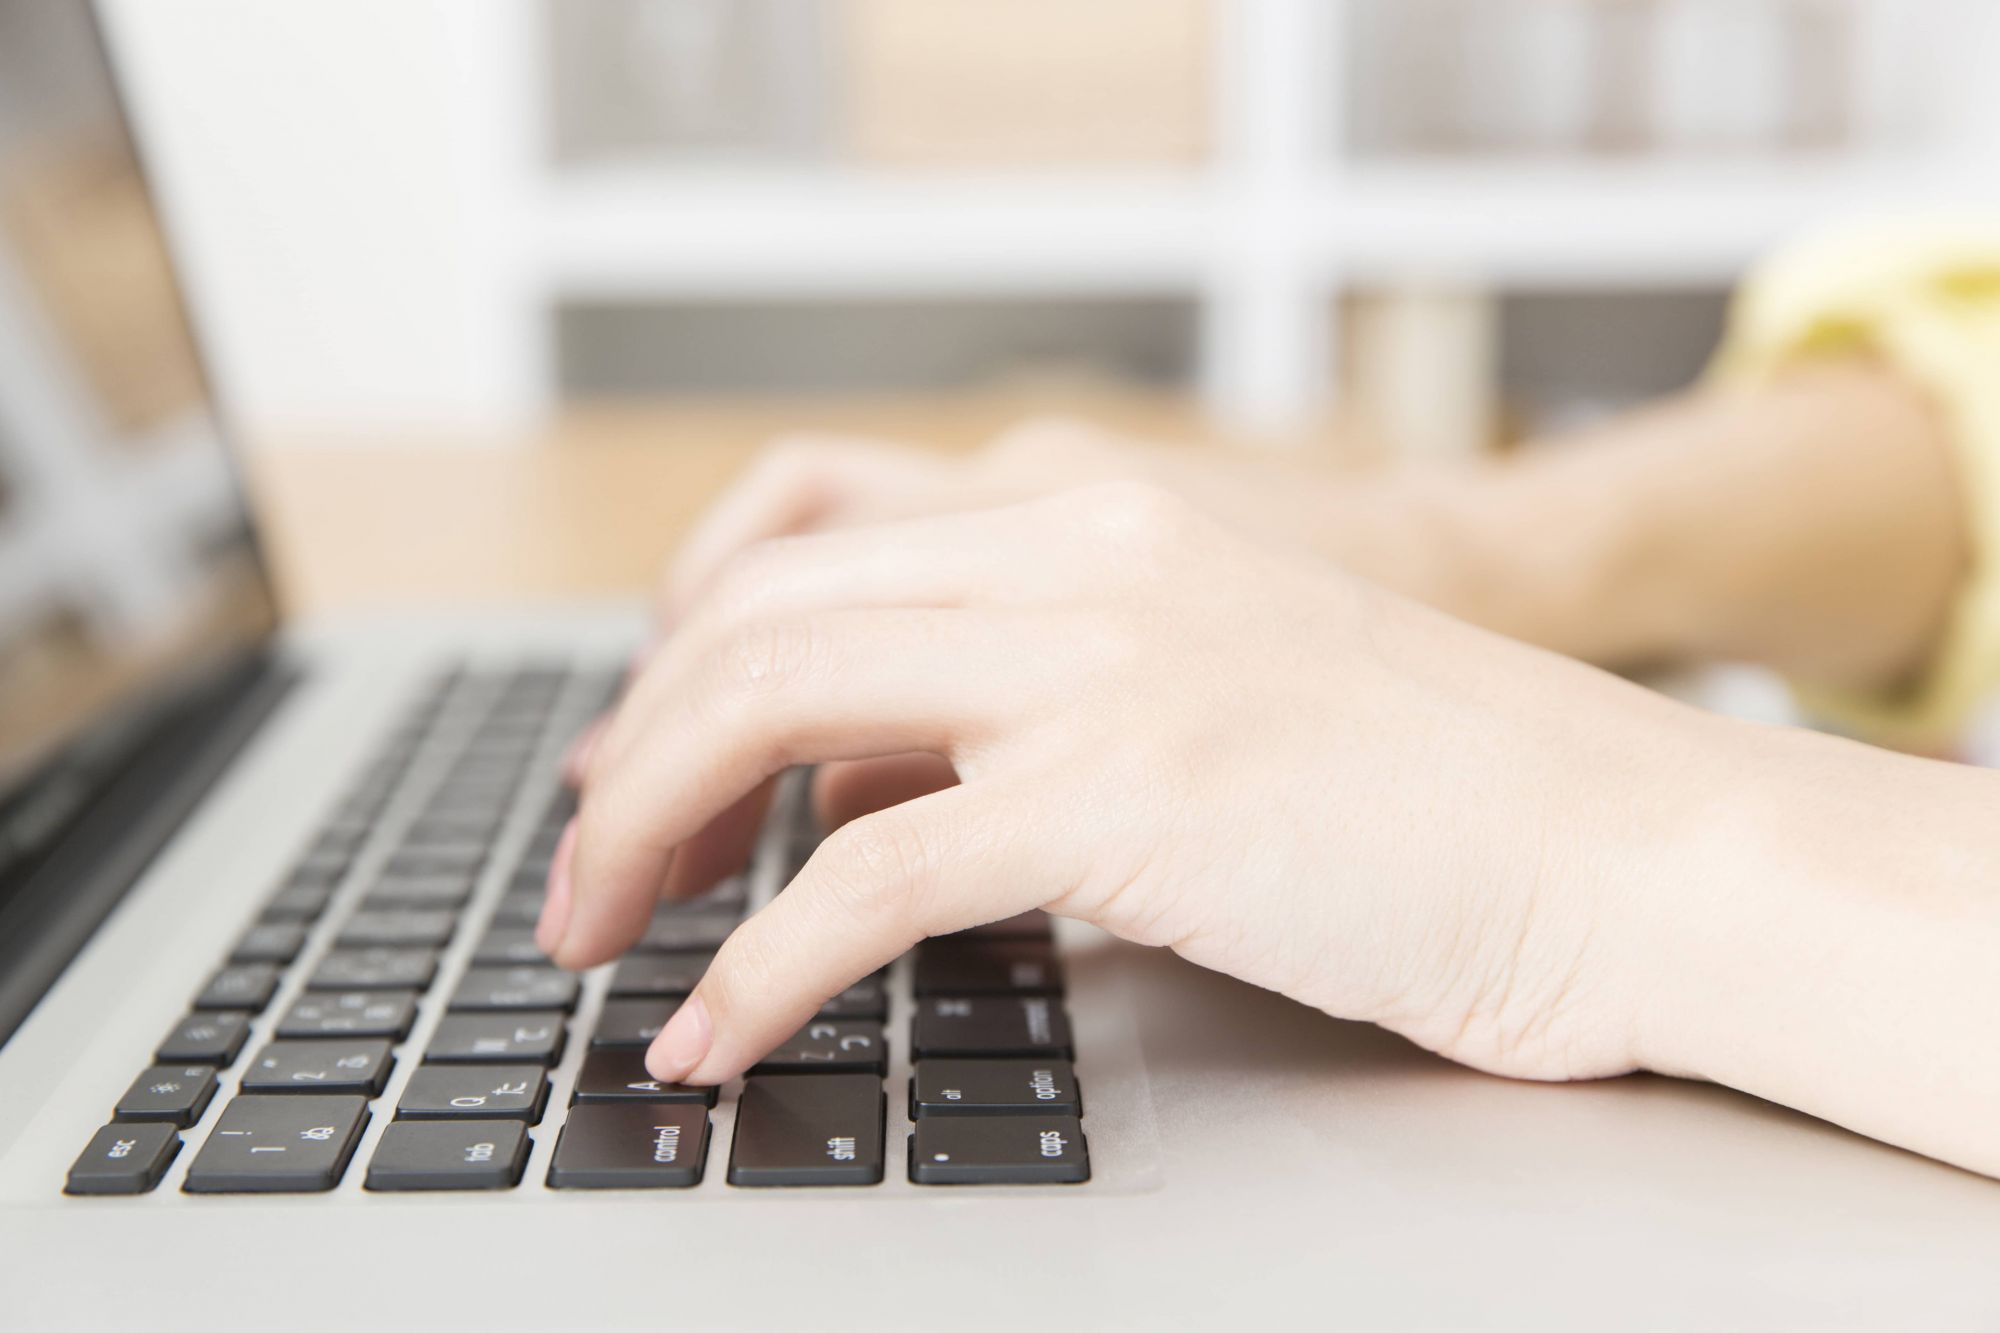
<point>57,899</point>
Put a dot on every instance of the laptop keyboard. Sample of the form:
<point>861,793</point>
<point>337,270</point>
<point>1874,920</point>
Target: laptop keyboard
<point>357,950</point>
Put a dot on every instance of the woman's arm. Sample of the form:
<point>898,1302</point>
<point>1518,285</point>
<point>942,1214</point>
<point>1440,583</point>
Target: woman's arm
<point>1812,525</point>
<point>1291,776</point>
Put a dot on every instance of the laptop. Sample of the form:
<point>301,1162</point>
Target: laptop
<point>279,1051</point>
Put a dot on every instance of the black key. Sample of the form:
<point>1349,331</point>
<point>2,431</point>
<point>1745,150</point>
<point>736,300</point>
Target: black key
<point>828,1044</point>
<point>324,1066</point>
<point>726,899</point>
<point>672,974</point>
<point>635,1145</point>
<point>504,945</point>
<point>475,1092</point>
<point>398,927</point>
<point>515,988</point>
<point>620,1076</point>
<point>667,934</point>
<point>352,1013</point>
<point>278,1145</point>
<point>417,891</point>
<point>317,875</point>
<point>520,907</point>
<point>239,986</point>
<point>808,1131</point>
<point>994,1087</point>
<point>124,1159</point>
<point>987,967</point>
<point>454,828</point>
<point>270,942</point>
<point>374,969</point>
<point>1033,925</point>
<point>175,1094</point>
<point>632,1022</point>
<point>497,1039</point>
<point>210,1039</point>
<point>999,1150</point>
<point>300,902</point>
<point>447,1155</point>
<point>864,999</point>
<point>416,862</point>
<point>1033,1026</point>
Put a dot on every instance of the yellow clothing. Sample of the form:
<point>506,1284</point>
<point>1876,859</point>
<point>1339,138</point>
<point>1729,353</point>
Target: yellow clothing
<point>1925,296</point>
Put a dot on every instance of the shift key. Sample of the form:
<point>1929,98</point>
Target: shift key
<point>822,1130</point>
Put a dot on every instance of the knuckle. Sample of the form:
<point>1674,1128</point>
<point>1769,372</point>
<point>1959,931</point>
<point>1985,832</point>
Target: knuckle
<point>763,657</point>
<point>750,576</point>
<point>878,866</point>
<point>1137,516</point>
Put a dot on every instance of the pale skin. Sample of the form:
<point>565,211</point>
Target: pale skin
<point>1160,692</point>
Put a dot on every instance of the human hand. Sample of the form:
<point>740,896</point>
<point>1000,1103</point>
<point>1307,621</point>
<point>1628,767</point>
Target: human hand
<point>1187,738</point>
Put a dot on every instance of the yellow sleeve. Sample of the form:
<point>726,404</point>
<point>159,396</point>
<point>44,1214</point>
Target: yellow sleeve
<point>1924,296</point>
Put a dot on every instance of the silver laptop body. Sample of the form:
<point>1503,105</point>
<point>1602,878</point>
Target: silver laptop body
<point>170,750</point>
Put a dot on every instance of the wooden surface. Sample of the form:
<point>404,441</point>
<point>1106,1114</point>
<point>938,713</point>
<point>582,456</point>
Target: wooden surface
<point>589,508</point>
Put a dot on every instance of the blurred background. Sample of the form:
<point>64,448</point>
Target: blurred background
<point>1455,221</point>
<point>633,238</point>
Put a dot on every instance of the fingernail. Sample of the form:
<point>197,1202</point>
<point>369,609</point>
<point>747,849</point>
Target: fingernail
<point>554,921</point>
<point>682,1044</point>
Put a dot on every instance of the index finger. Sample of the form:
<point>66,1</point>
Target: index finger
<point>874,888</point>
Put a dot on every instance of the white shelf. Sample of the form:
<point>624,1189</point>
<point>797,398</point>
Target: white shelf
<point>642,233</point>
<point>635,233</point>
<point>1611,224</point>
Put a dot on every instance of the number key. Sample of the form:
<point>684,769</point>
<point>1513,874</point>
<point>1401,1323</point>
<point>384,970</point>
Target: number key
<point>320,1066</point>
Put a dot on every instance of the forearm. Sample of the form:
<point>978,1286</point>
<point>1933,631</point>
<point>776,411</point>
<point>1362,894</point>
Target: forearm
<point>1814,526</point>
<point>1828,941</point>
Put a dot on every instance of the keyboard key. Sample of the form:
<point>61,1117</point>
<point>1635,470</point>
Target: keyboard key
<point>300,902</point>
<point>987,967</point>
<point>864,999</point>
<point>417,891</point>
<point>497,1039</point>
<point>807,1131</point>
<point>631,1146</point>
<point>506,945</point>
<point>1033,1026</point>
<point>213,1038</point>
<point>994,1087</point>
<point>239,986</point>
<point>173,1094</point>
<point>324,1066</point>
<point>620,1076</point>
<point>1033,925</point>
<point>469,1092</point>
<point>521,907</point>
<point>515,988</point>
<point>124,1159</point>
<point>675,933</point>
<point>440,861</point>
<point>828,1045</point>
<point>666,974</point>
<point>399,927</point>
<point>632,1022</point>
<point>386,1013</point>
<point>449,1155</point>
<point>374,969</point>
<point>270,942</point>
<point>278,1145</point>
<point>999,1150</point>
